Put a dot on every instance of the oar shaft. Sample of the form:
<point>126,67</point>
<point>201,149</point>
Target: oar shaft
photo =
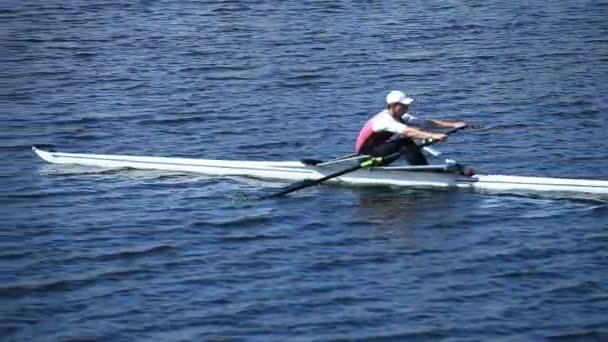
<point>428,142</point>
<point>306,184</point>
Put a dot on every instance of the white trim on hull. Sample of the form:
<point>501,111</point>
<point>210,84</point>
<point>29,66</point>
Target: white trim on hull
<point>295,170</point>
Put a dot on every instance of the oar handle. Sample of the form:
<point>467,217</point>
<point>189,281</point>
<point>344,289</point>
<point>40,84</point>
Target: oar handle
<point>427,142</point>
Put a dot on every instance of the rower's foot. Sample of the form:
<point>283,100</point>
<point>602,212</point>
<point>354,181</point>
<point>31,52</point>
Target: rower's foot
<point>467,171</point>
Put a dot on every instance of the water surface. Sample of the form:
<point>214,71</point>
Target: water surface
<point>136,255</point>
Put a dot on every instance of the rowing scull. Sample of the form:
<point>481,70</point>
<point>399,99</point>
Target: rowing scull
<point>442,176</point>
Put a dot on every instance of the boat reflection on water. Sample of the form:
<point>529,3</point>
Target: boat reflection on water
<point>412,221</point>
<point>402,207</point>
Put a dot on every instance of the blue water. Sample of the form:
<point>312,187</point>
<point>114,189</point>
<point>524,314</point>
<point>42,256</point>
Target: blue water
<point>123,255</point>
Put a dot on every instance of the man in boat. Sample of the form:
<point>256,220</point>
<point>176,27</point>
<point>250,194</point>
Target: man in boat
<point>392,131</point>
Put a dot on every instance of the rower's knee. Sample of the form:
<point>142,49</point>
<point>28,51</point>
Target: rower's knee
<point>415,157</point>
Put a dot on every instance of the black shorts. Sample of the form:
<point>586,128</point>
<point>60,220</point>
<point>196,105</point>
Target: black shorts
<point>406,146</point>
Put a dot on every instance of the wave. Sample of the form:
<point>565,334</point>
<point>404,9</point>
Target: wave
<point>26,288</point>
<point>250,238</point>
<point>171,120</point>
<point>126,254</point>
<point>581,335</point>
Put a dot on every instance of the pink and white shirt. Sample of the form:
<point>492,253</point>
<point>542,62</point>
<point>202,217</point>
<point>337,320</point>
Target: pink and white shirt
<point>382,126</point>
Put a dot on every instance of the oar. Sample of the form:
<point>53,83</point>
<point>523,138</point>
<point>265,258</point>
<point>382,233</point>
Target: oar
<point>311,182</point>
<point>371,162</point>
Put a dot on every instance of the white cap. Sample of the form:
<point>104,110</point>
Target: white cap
<point>396,96</point>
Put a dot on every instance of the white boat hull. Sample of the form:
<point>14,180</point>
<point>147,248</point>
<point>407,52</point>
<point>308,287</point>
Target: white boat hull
<point>295,170</point>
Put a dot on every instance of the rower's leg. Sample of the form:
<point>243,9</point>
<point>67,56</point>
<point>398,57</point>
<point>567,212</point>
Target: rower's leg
<point>415,157</point>
<point>406,146</point>
<point>412,152</point>
<point>384,150</point>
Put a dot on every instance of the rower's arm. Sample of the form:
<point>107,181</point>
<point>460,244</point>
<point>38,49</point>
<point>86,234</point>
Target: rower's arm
<point>448,124</point>
<point>415,133</point>
<point>388,124</point>
<point>428,123</point>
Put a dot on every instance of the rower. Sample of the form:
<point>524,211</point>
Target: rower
<point>392,131</point>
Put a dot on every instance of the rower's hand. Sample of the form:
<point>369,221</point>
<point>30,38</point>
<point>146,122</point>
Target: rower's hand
<point>439,137</point>
<point>434,138</point>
